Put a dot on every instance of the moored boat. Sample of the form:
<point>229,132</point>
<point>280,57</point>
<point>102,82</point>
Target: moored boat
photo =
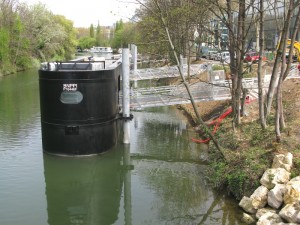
<point>79,107</point>
<point>96,49</point>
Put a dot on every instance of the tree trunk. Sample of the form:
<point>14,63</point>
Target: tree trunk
<point>279,101</point>
<point>239,63</point>
<point>262,117</point>
<point>280,52</point>
<point>245,92</point>
<point>233,61</point>
<point>280,123</point>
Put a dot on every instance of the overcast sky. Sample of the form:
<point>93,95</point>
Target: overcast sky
<point>86,12</point>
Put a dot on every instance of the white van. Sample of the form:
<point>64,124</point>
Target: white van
<point>225,57</point>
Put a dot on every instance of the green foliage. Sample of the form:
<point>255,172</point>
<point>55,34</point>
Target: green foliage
<point>296,170</point>
<point>98,35</point>
<point>119,25</point>
<point>69,42</point>
<point>33,32</point>
<point>256,135</point>
<point>92,31</point>
<point>249,75</point>
<point>124,35</point>
<point>86,42</point>
<point>4,47</point>
<point>221,67</point>
<point>236,183</point>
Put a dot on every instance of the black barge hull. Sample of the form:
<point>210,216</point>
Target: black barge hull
<point>79,110</point>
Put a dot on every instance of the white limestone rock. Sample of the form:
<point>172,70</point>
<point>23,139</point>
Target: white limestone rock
<point>248,219</point>
<point>292,193</point>
<point>246,204</point>
<point>275,196</point>
<point>283,161</point>
<point>260,197</point>
<point>269,218</point>
<point>291,213</point>
<point>271,177</point>
<point>262,211</point>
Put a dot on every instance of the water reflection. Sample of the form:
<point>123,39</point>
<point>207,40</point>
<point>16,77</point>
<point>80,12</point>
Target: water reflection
<point>19,103</point>
<point>163,181</point>
<point>83,190</point>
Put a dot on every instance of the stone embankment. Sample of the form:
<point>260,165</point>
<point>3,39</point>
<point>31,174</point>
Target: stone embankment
<point>277,200</point>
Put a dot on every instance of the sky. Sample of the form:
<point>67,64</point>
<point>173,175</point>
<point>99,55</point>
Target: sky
<point>86,12</point>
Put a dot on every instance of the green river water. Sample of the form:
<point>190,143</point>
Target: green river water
<point>158,179</point>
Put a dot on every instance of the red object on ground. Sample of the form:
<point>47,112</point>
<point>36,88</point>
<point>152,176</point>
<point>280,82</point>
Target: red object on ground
<point>218,121</point>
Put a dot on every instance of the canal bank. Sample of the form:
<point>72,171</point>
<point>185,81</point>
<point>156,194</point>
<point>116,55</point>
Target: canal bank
<point>250,151</point>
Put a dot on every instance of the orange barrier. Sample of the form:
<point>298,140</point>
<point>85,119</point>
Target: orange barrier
<point>218,121</point>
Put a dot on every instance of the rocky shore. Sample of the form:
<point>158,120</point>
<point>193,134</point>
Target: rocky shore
<point>277,200</point>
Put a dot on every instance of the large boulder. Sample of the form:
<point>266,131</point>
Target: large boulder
<point>269,218</point>
<point>283,161</point>
<point>248,219</point>
<point>246,204</point>
<point>292,193</point>
<point>291,213</point>
<point>261,212</point>
<point>274,176</point>
<point>259,197</point>
<point>275,196</point>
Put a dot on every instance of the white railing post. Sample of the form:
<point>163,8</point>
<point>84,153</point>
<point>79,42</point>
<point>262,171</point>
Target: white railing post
<point>126,94</point>
<point>134,57</point>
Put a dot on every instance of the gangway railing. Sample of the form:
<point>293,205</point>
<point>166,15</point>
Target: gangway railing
<point>218,89</point>
<point>176,94</point>
<point>166,72</point>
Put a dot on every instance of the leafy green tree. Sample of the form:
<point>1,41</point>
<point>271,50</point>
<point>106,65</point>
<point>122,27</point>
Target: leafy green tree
<point>4,48</point>
<point>124,34</point>
<point>86,42</point>
<point>98,35</point>
<point>92,31</point>
<point>69,43</point>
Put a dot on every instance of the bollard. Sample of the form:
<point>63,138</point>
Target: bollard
<point>126,94</point>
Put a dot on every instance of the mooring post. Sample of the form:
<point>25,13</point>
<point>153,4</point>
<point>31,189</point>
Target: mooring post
<point>126,94</point>
<point>127,185</point>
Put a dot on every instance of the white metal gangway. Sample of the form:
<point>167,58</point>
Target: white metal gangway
<point>176,94</point>
<point>166,72</point>
<point>218,88</point>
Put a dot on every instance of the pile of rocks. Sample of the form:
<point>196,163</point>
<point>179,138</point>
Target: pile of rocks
<point>277,200</point>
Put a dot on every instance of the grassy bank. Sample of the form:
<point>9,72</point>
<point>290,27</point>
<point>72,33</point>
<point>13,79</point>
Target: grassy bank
<point>250,150</point>
<point>10,68</point>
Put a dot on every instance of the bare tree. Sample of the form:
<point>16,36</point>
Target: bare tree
<point>259,69</point>
<point>280,55</point>
<point>285,69</point>
<point>238,17</point>
<point>160,14</point>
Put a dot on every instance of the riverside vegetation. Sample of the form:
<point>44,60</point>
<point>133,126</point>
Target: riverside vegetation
<point>249,151</point>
